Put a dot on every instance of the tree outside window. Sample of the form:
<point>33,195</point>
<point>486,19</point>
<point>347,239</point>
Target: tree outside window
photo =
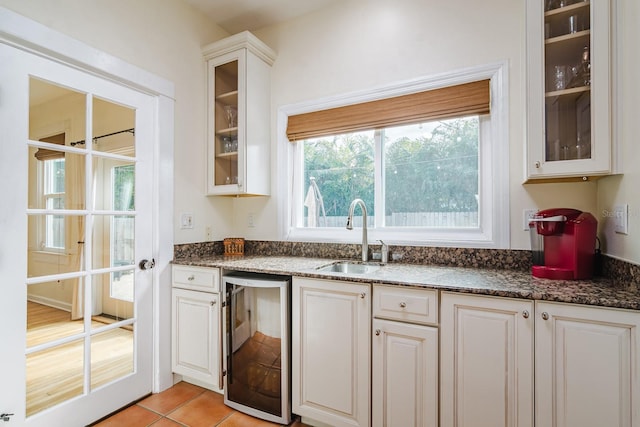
<point>428,175</point>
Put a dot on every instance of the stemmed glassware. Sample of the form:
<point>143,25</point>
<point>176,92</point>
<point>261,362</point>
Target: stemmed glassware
<point>232,115</point>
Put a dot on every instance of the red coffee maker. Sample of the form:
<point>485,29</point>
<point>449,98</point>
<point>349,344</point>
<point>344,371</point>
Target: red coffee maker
<point>563,243</point>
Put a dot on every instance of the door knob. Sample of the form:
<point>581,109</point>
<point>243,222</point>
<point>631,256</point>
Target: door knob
<point>145,264</point>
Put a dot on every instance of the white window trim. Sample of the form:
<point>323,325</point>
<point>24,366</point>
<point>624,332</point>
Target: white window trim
<point>494,221</point>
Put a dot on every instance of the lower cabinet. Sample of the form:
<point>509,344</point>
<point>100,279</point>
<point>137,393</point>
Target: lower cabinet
<point>331,339</point>
<point>486,352</point>
<point>195,336</point>
<point>587,366</point>
<point>195,333</point>
<point>405,374</point>
<point>586,358</point>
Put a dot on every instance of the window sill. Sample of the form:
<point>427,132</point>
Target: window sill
<point>410,237</point>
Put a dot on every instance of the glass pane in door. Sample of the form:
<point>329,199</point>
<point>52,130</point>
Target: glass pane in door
<point>113,127</point>
<point>113,293</point>
<point>226,123</point>
<point>112,355</point>
<point>55,110</point>
<point>54,375</point>
<point>567,51</point>
<point>44,322</point>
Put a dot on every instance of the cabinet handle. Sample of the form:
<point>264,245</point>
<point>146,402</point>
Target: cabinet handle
<point>537,165</point>
<point>378,331</point>
<point>525,314</point>
<point>403,304</point>
<point>191,278</point>
<point>213,303</point>
<point>545,315</point>
<point>362,295</point>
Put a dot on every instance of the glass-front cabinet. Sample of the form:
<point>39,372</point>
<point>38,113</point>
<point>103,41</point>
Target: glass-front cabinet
<point>238,111</point>
<point>569,88</point>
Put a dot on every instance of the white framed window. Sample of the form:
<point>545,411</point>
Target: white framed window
<point>53,198</point>
<point>435,183</point>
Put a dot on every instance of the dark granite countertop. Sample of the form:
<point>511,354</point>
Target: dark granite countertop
<point>495,282</point>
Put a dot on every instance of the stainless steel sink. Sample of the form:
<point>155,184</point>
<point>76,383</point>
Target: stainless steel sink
<point>348,267</point>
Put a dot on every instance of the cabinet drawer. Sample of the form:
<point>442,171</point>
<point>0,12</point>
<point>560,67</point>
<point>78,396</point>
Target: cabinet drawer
<point>198,278</point>
<point>405,304</point>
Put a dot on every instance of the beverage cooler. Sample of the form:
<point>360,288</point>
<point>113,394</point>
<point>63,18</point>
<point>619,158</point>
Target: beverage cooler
<point>257,345</point>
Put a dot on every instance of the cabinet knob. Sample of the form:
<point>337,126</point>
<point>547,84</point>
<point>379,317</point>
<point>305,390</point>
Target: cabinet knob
<point>378,332</point>
<point>191,278</point>
<point>545,315</point>
<point>537,165</point>
<point>362,295</point>
<point>403,304</point>
<point>525,314</point>
<point>213,303</point>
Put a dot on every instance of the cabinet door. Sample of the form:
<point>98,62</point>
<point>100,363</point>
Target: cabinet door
<point>586,366</point>
<point>195,336</point>
<point>226,122</point>
<point>405,374</point>
<point>486,361</point>
<point>569,87</point>
<point>331,351</point>
<point>239,122</point>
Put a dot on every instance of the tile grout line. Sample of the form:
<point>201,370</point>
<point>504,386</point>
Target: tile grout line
<point>172,410</point>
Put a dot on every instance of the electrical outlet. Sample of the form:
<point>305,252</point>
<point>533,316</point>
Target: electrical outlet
<point>251,221</point>
<point>208,233</point>
<point>527,214</point>
<point>621,219</point>
<point>186,220</point>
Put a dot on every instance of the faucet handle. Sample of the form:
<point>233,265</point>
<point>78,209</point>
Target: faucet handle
<point>384,252</point>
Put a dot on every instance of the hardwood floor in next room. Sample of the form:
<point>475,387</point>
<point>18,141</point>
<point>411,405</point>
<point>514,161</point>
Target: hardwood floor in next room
<point>184,405</point>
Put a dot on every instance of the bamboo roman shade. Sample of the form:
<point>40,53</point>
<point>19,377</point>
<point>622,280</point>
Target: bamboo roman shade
<point>443,103</point>
<point>46,154</point>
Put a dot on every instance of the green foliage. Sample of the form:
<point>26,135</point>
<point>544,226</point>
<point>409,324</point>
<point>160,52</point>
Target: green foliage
<point>123,188</point>
<point>343,167</point>
<point>433,173</point>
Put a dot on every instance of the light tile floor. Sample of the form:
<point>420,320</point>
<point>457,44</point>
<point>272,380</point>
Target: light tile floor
<point>184,405</point>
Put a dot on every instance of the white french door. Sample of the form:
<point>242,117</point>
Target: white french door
<point>76,170</point>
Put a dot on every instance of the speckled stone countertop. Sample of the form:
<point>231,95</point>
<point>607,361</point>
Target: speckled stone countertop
<point>496,282</point>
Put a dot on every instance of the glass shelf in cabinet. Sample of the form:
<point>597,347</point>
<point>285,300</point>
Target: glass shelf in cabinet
<point>566,37</point>
<point>575,6</point>
<point>228,131</point>
<point>230,154</point>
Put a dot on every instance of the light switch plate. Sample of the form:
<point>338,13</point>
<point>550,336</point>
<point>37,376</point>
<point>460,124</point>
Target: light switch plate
<point>527,214</point>
<point>621,218</point>
<point>186,220</point>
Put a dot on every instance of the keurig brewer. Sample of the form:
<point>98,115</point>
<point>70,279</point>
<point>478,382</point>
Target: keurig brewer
<point>563,243</point>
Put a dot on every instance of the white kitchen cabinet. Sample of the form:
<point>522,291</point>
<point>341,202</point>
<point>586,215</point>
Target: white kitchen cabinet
<point>238,115</point>
<point>569,90</point>
<point>486,353</point>
<point>195,326</point>
<point>331,339</point>
<point>404,357</point>
<point>587,366</point>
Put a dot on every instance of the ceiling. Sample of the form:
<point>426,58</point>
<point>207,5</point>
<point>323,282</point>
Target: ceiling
<point>235,16</point>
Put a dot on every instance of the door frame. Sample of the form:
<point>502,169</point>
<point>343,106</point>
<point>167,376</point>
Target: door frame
<point>30,36</point>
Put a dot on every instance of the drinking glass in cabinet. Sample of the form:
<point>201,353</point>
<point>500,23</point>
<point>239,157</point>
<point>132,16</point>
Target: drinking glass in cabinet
<point>232,114</point>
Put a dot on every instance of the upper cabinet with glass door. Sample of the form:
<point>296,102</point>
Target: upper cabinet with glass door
<point>239,102</point>
<point>569,90</point>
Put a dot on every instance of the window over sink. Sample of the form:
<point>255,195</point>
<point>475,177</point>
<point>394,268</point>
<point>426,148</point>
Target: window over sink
<point>434,178</point>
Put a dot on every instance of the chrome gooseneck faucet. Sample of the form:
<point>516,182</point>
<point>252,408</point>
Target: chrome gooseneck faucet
<point>365,244</point>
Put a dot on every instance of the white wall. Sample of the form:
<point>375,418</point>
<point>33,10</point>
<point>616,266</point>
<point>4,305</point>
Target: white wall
<point>625,188</point>
<point>356,45</point>
<point>163,37</point>
<point>352,45</point>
